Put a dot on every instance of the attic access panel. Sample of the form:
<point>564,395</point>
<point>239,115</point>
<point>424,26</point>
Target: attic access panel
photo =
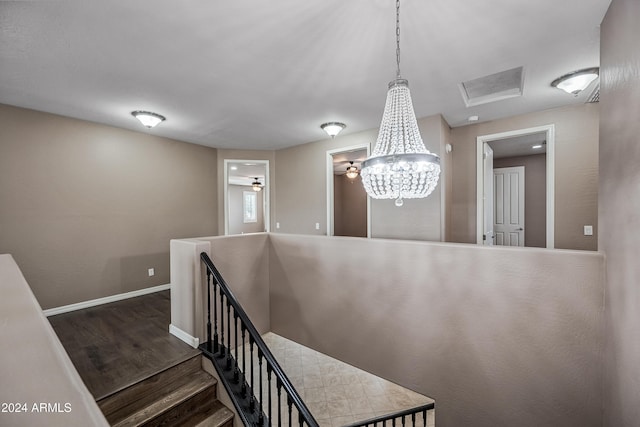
<point>494,87</point>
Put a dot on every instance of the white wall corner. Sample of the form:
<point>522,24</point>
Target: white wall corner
<point>182,335</point>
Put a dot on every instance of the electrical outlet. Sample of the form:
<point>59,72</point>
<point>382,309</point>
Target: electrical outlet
<point>277,225</point>
<point>151,272</point>
<point>317,226</point>
<point>588,230</point>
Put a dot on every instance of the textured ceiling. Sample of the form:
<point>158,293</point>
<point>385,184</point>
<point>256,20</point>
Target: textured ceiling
<point>265,75</point>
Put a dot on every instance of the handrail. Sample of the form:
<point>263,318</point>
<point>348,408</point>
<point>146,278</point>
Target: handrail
<point>240,390</point>
<point>400,415</point>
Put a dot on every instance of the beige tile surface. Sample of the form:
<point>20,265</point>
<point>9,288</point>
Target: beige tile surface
<point>336,393</point>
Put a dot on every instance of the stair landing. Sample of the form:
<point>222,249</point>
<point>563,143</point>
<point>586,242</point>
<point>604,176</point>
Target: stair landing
<point>336,393</point>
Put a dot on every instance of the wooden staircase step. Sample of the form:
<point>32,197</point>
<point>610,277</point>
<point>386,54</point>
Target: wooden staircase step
<point>194,396</point>
<point>218,416</point>
<point>141,394</point>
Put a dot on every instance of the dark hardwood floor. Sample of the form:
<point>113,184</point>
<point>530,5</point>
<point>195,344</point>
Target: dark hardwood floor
<point>115,345</point>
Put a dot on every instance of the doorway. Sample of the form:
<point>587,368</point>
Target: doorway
<point>348,206</point>
<point>246,196</point>
<point>530,220</point>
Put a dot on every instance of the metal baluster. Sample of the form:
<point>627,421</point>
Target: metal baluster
<point>393,422</point>
<point>221,324</point>
<point>413,419</point>
<point>424,417</point>
<point>236,370</point>
<point>260,417</point>
<point>403,420</point>
<point>300,418</point>
<point>252,403</point>
<point>269,390</point>
<point>279,387</point>
<point>229,334</point>
<point>215,316</point>
<point>244,361</point>
<point>208,310</point>
<point>290,408</point>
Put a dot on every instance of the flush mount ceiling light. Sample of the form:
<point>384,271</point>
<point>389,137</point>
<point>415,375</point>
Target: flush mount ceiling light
<point>400,165</point>
<point>352,171</point>
<point>256,185</point>
<point>539,146</point>
<point>332,128</point>
<point>577,81</point>
<point>148,118</point>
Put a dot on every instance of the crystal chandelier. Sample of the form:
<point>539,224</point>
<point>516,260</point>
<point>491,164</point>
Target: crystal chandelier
<point>400,166</point>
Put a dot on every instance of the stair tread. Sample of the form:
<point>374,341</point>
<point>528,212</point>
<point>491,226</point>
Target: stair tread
<point>140,394</point>
<point>217,416</point>
<point>197,383</point>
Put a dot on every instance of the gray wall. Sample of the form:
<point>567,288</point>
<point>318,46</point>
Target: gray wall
<point>236,211</point>
<point>249,279</point>
<point>535,196</point>
<point>350,207</point>
<point>576,172</point>
<point>86,209</point>
<point>497,336</point>
<point>620,207</point>
<point>301,182</point>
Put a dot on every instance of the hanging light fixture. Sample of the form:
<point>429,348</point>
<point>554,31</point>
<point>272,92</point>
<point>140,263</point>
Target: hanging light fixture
<point>400,166</point>
<point>352,171</point>
<point>256,185</point>
<point>332,128</point>
<point>148,118</point>
<point>577,81</point>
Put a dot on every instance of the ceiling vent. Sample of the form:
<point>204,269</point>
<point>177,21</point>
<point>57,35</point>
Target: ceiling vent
<point>494,87</point>
<point>595,95</point>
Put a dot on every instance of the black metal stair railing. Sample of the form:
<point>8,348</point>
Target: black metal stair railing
<point>414,417</point>
<point>259,401</point>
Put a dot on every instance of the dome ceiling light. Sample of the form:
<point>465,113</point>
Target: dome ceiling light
<point>332,128</point>
<point>576,82</point>
<point>148,118</point>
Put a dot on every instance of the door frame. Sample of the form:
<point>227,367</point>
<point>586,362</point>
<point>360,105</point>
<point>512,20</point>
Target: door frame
<point>266,200</point>
<point>488,205</point>
<point>550,165</point>
<point>330,195</point>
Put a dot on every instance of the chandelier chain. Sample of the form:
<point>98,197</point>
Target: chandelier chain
<point>398,38</point>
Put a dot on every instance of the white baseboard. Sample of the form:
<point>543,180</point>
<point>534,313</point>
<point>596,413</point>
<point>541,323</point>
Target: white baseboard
<point>104,300</point>
<point>179,333</point>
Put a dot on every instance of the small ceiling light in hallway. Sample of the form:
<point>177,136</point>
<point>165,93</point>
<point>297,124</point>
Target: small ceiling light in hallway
<point>400,166</point>
<point>577,81</point>
<point>256,185</point>
<point>352,171</point>
<point>148,118</point>
<point>332,128</point>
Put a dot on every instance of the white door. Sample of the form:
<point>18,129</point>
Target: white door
<point>488,233</point>
<point>509,206</point>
